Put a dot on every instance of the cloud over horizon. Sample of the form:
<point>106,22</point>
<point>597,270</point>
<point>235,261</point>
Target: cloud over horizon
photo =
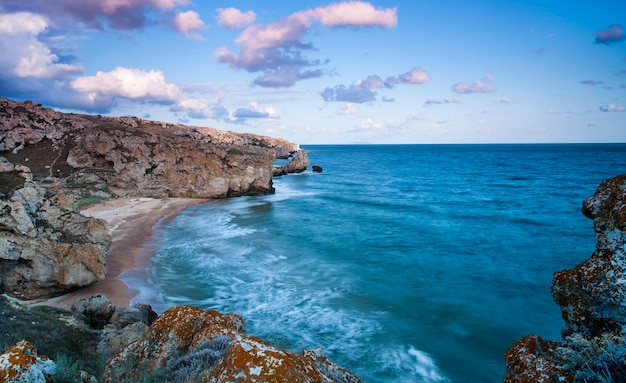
<point>276,49</point>
<point>362,91</point>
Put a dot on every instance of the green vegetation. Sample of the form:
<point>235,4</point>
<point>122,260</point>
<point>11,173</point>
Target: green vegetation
<point>599,360</point>
<point>87,200</point>
<point>52,331</point>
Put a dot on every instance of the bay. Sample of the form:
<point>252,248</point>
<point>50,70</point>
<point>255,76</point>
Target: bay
<point>405,263</point>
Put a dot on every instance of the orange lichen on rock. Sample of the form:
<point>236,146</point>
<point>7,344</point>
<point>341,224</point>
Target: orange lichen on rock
<point>21,363</point>
<point>530,360</point>
<point>591,297</point>
<point>184,331</point>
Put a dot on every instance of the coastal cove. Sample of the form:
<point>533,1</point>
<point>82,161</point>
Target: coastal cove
<point>405,263</point>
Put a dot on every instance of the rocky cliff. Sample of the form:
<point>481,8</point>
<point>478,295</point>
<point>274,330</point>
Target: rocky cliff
<point>50,160</point>
<point>592,297</point>
<point>129,156</point>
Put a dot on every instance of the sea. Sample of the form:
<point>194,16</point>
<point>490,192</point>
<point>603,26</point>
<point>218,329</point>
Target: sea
<point>404,263</point>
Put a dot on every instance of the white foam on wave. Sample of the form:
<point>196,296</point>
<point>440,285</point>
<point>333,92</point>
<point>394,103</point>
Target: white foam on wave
<point>291,298</point>
<point>412,364</point>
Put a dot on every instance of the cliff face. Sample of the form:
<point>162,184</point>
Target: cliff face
<point>135,157</point>
<point>592,297</point>
<point>46,247</point>
<point>49,159</point>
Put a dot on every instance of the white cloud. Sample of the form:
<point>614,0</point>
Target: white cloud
<point>188,23</point>
<point>348,108</point>
<point>134,84</point>
<point>28,56</point>
<point>22,23</point>
<point>232,18</point>
<point>253,111</point>
<point>414,76</point>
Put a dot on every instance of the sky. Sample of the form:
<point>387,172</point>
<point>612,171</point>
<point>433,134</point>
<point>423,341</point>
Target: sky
<point>330,72</point>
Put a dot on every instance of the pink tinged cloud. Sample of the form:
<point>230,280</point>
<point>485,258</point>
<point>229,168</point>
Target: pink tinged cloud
<point>112,6</point>
<point>475,87</point>
<point>134,84</point>
<point>354,14</point>
<point>613,34</point>
<point>414,76</point>
<point>232,18</point>
<point>278,46</point>
<point>187,23</point>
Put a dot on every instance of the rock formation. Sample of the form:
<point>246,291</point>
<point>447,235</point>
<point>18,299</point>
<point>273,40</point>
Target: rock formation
<point>205,346</point>
<point>592,297</point>
<point>46,247</point>
<point>130,156</point>
<point>298,164</point>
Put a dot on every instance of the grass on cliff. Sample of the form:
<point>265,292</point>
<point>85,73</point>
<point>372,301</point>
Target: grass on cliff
<point>52,332</point>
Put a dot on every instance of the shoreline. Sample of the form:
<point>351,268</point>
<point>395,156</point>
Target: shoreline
<point>132,224</point>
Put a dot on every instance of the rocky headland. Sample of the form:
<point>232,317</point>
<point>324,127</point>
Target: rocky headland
<point>53,164</point>
<point>592,297</point>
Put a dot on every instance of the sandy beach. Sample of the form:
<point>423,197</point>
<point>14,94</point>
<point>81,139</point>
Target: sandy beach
<point>131,223</point>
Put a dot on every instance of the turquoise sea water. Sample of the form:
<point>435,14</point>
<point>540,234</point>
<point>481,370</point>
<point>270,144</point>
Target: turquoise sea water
<point>405,263</point>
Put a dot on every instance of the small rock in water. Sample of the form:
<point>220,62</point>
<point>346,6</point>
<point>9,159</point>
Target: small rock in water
<point>317,169</point>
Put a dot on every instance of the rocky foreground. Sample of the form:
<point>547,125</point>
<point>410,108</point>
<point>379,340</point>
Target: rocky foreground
<point>52,164</point>
<point>592,297</point>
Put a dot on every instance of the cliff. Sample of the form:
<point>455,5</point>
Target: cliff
<point>592,297</point>
<point>128,156</point>
<point>50,162</point>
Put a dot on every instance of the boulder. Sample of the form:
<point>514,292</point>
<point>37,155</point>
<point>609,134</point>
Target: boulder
<point>136,313</point>
<point>97,309</point>
<point>20,363</point>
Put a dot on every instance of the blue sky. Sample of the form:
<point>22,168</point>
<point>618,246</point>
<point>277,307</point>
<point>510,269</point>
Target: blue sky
<point>448,71</point>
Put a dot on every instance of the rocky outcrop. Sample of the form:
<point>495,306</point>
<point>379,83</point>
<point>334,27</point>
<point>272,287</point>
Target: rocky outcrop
<point>190,344</point>
<point>21,363</point>
<point>97,309</point>
<point>592,297</point>
<point>298,164</point>
<point>46,247</point>
<point>184,344</point>
<point>132,157</point>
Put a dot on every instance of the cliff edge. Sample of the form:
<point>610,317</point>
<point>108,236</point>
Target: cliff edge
<point>592,297</point>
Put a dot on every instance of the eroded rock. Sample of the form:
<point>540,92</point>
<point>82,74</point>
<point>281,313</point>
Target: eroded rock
<point>46,247</point>
<point>213,347</point>
<point>592,297</point>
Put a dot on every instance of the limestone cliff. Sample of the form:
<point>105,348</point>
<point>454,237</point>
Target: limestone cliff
<point>592,297</point>
<point>46,247</point>
<point>49,159</point>
<point>129,156</point>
